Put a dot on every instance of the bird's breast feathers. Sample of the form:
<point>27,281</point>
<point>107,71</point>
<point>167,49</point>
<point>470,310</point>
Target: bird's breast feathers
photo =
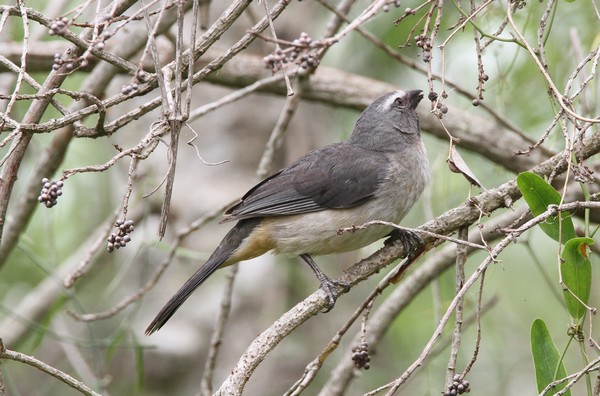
<point>317,233</point>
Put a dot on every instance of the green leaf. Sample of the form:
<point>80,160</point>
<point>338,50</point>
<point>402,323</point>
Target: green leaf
<point>539,194</point>
<point>546,358</point>
<point>576,271</point>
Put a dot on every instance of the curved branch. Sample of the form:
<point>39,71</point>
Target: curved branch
<point>46,368</point>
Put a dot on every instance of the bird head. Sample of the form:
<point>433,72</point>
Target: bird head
<point>389,120</point>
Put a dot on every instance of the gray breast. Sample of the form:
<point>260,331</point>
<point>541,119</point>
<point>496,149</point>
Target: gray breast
<point>316,233</point>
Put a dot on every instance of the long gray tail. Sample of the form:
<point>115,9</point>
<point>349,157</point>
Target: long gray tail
<point>228,245</point>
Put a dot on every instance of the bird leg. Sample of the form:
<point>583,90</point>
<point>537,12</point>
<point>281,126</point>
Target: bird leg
<point>329,286</point>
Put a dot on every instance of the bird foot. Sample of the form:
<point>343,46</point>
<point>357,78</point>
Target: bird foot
<point>412,243</point>
<point>330,287</point>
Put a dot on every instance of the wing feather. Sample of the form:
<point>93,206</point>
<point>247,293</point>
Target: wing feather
<point>333,177</point>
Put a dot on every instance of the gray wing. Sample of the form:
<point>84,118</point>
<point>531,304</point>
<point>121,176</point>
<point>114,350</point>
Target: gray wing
<point>333,177</point>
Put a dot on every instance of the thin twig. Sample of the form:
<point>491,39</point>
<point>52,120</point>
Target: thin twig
<point>46,368</point>
<point>562,101</point>
<point>216,340</point>
<point>461,258</point>
<point>416,230</point>
<point>275,141</point>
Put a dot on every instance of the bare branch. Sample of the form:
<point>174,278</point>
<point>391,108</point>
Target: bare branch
<point>38,364</point>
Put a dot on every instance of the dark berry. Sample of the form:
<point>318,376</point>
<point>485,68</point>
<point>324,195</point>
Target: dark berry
<point>119,240</point>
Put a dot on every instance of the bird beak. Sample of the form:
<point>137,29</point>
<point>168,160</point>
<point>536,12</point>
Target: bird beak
<point>414,97</point>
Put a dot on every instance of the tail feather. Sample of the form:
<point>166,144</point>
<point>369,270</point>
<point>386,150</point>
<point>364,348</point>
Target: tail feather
<point>228,245</point>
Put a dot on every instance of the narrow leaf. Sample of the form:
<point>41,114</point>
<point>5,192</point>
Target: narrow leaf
<point>539,194</point>
<point>546,358</point>
<point>576,271</point>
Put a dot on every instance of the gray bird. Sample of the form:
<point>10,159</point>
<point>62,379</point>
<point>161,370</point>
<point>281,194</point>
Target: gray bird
<point>377,174</point>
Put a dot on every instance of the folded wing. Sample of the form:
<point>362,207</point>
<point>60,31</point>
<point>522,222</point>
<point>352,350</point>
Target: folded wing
<point>333,177</point>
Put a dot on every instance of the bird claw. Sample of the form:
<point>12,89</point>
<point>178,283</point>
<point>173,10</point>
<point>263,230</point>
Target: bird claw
<point>330,287</point>
<point>412,243</point>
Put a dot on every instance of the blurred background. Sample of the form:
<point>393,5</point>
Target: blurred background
<point>114,357</point>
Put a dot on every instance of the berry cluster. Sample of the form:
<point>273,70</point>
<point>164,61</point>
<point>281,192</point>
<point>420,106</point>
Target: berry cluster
<point>297,53</point>
<point>303,41</point>
<point>440,108</point>
<point>423,42</point>
<point>360,356</point>
<point>98,42</point>
<point>51,190</point>
<point>458,386</point>
<point>129,88</point>
<point>120,239</point>
<point>386,7</point>
<point>275,60</point>
<point>70,64</point>
<point>58,26</point>
<point>308,61</point>
<point>140,77</point>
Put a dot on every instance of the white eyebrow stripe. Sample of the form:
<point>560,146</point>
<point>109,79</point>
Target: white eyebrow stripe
<point>388,103</point>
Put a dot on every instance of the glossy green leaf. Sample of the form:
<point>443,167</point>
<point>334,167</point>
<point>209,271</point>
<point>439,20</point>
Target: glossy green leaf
<point>546,358</point>
<point>539,194</point>
<point>576,271</point>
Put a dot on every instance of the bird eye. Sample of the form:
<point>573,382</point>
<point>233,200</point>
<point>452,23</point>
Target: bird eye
<point>399,103</point>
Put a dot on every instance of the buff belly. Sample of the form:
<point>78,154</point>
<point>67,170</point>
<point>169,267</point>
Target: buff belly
<point>318,233</point>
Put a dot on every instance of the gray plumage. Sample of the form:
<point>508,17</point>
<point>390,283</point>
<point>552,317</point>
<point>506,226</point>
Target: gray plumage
<point>341,175</point>
<point>378,174</point>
